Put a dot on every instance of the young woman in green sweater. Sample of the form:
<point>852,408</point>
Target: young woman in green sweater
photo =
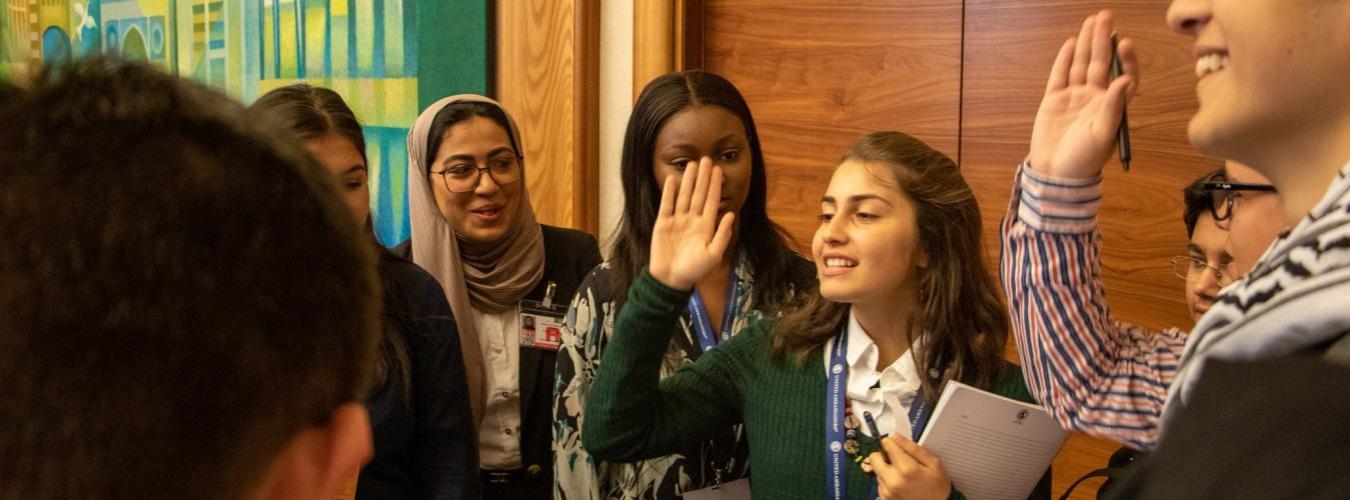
<point>903,292</point>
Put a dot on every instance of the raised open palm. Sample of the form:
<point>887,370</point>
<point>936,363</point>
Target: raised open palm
<point>1076,124</point>
<point>688,239</point>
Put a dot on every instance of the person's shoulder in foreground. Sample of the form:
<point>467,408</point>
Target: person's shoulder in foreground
<point>1284,438</point>
<point>188,310</point>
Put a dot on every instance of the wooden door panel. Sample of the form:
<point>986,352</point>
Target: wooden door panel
<point>818,75</point>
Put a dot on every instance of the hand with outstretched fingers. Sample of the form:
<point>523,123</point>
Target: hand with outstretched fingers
<point>1076,124</point>
<point>689,238</point>
<point>905,470</point>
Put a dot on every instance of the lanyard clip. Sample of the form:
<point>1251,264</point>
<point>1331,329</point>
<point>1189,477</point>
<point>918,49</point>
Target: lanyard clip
<point>548,294</point>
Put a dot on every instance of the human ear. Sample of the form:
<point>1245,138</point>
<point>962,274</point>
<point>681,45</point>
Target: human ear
<point>320,460</point>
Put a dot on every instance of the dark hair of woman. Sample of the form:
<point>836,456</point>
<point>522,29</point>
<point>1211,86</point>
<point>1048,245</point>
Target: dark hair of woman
<point>764,242</point>
<point>311,112</point>
<point>962,320</point>
<point>457,112</point>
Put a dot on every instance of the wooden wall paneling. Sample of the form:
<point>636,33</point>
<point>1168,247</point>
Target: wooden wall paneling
<point>653,41</point>
<point>689,33</point>
<point>586,118</point>
<point>1009,47</point>
<point>547,71</point>
<point>819,75</point>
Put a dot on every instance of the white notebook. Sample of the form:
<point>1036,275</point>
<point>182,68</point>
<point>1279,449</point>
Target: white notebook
<point>994,448</point>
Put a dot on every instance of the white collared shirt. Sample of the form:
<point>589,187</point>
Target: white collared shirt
<point>886,394</point>
<point>499,432</point>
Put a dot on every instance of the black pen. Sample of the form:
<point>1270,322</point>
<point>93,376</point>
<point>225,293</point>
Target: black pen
<point>1123,133</point>
<point>872,425</point>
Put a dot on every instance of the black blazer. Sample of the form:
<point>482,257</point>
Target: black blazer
<point>568,256</point>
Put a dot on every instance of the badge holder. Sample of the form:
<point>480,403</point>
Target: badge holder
<point>542,322</point>
<point>735,490</point>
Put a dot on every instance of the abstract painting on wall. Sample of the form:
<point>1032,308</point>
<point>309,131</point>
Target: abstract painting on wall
<point>372,52</point>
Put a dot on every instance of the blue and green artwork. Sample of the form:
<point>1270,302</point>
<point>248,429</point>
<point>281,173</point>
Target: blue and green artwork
<point>387,58</point>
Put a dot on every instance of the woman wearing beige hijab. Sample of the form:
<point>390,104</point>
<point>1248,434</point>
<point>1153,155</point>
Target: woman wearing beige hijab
<point>508,280</point>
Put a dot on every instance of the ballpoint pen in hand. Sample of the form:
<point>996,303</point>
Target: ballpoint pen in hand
<point>1123,133</point>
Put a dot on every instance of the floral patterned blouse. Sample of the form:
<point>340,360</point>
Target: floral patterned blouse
<point>590,322</point>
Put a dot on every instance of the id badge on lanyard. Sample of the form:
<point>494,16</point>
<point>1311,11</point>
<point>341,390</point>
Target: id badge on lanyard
<point>707,341</point>
<point>735,490</point>
<point>542,322</point>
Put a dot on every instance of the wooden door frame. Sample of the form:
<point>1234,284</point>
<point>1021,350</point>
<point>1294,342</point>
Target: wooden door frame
<point>586,117</point>
<point>668,35</point>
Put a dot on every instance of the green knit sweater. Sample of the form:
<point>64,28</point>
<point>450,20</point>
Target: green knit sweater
<point>631,415</point>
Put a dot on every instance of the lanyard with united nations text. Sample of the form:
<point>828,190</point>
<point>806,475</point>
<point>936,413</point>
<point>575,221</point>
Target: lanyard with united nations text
<point>835,402</point>
<point>698,314</point>
<point>708,339</point>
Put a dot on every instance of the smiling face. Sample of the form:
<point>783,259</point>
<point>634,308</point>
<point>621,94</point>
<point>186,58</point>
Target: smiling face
<point>1269,71</point>
<point>709,131</point>
<point>341,158</point>
<point>1207,247</point>
<point>485,213</point>
<point>867,246</point>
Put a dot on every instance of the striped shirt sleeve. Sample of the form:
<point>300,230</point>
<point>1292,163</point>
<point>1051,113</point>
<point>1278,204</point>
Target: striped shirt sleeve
<point>1093,374</point>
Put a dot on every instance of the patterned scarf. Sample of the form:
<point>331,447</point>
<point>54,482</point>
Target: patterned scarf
<point>1297,298</point>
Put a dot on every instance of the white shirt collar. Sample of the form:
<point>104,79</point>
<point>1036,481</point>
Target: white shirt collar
<point>863,352</point>
<point>886,394</point>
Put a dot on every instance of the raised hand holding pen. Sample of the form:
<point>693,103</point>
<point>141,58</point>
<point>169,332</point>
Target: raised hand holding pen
<point>1080,115</point>
<point>688,239</point>
<point>905,470</point>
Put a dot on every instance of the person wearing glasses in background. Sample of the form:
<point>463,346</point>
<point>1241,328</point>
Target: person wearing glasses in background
<point>507,277</point>
<point>1091,372</point>
<point>1242,190</point>
<point>1271,93</point>
<point>1207,267</point>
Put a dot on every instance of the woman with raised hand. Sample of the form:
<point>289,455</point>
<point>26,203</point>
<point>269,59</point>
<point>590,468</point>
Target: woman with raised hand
<point>506,276</point>
<point>419,412</point>
<point>904,305</point>
<point>679,118</point>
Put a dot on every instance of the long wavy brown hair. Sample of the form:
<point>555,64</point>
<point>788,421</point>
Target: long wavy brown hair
<point>962,320</point>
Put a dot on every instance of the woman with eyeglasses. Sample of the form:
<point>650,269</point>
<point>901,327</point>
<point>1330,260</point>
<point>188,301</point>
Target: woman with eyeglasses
<point>507,278</point>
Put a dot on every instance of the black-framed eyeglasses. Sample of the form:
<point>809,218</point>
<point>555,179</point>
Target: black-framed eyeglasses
<point>1184,265</point>
<point>465,177</point>
<point>1223,193</point>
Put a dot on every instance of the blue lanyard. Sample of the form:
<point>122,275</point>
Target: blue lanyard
<point>834,417</point>
<point>698,314</point>
<point>834,420</point>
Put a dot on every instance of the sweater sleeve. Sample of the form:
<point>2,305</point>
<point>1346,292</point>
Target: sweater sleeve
<point>1092,373</point>
<point>632,414</point>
